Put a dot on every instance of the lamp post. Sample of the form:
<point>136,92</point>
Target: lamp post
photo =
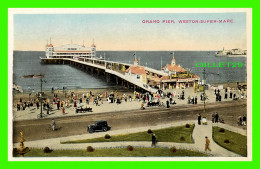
<point>204,85</point>
<point>39,94</point>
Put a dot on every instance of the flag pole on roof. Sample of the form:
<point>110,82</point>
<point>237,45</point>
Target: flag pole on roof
<point>161,61</point>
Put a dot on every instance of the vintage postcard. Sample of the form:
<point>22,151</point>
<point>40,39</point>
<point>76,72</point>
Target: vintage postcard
<point>130,84</point>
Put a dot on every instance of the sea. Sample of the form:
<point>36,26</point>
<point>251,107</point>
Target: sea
<point>59,76</point>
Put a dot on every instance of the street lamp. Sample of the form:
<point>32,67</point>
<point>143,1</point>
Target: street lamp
<point>39,94</point>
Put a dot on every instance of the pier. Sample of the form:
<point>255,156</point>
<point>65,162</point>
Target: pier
<point>111,70</point>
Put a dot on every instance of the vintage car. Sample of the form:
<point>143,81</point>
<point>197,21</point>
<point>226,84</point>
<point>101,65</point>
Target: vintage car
<point>98,126</point>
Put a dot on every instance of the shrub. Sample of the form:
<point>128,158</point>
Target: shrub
<point>187,126</point>
<point>149,131</point>
<point>130,148</point>
<point>182,138</point>
<point>226,141</point>
<point>221,130</point>
<point>107,136</point>
<point>90,149</point>
<point>173,149</point>
<point>15,152</point>
<point>47,150</point>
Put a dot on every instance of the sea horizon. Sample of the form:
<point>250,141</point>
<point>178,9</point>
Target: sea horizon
<point>28,62</point>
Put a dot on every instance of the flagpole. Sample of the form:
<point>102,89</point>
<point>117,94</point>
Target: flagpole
<point>161,62</point>
<point>41,97</point>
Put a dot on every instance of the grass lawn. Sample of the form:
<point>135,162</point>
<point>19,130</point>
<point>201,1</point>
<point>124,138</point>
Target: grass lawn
<point>172,134</point>
<point>116,152</point>
<point>238,142</point>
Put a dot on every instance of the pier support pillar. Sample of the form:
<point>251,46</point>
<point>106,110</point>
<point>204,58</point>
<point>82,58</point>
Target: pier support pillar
<point>116,80</point>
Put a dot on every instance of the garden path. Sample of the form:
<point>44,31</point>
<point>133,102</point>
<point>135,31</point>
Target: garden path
<point>199,133</point>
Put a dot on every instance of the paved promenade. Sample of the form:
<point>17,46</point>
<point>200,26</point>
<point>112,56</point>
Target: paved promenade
<point>33,112</point>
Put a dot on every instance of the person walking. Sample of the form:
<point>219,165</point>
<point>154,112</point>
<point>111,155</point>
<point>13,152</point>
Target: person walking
<point>18,107</point>
<point>207,144</point>
<point>80,100</point>
<point>244,120</point>
<point>154,140</point>
<point>216,117</point>
<point>240,120</point>
<point>58,106</point>
<point>199,119</point>
<point>167,104</point>
<point>53,125</point>
<point>213,117</point>
<point>37,105</point>
<point>63,110</point>
<point>226,95</point>
<point>48,108</point>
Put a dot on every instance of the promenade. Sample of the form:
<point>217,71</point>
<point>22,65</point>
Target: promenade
<point>33,112</point>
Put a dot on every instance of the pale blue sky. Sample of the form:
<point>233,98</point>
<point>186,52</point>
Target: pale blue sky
<point>127,32</point>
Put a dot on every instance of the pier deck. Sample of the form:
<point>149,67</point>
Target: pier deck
<point>111,68</point>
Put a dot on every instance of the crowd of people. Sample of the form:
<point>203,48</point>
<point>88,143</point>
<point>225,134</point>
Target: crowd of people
<point>230,94</point>
<point>242,120</point>
<point>163,99</point>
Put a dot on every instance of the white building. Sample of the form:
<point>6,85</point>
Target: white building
<point>136,73</point>
<point>70,51</point>
<point>173,68</point>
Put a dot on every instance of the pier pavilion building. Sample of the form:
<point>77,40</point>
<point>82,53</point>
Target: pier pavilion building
<point>71,51</point>
<point>174,76</point>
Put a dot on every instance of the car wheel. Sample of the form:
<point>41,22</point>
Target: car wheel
<point>91,131</point>
<point>104,129</point>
